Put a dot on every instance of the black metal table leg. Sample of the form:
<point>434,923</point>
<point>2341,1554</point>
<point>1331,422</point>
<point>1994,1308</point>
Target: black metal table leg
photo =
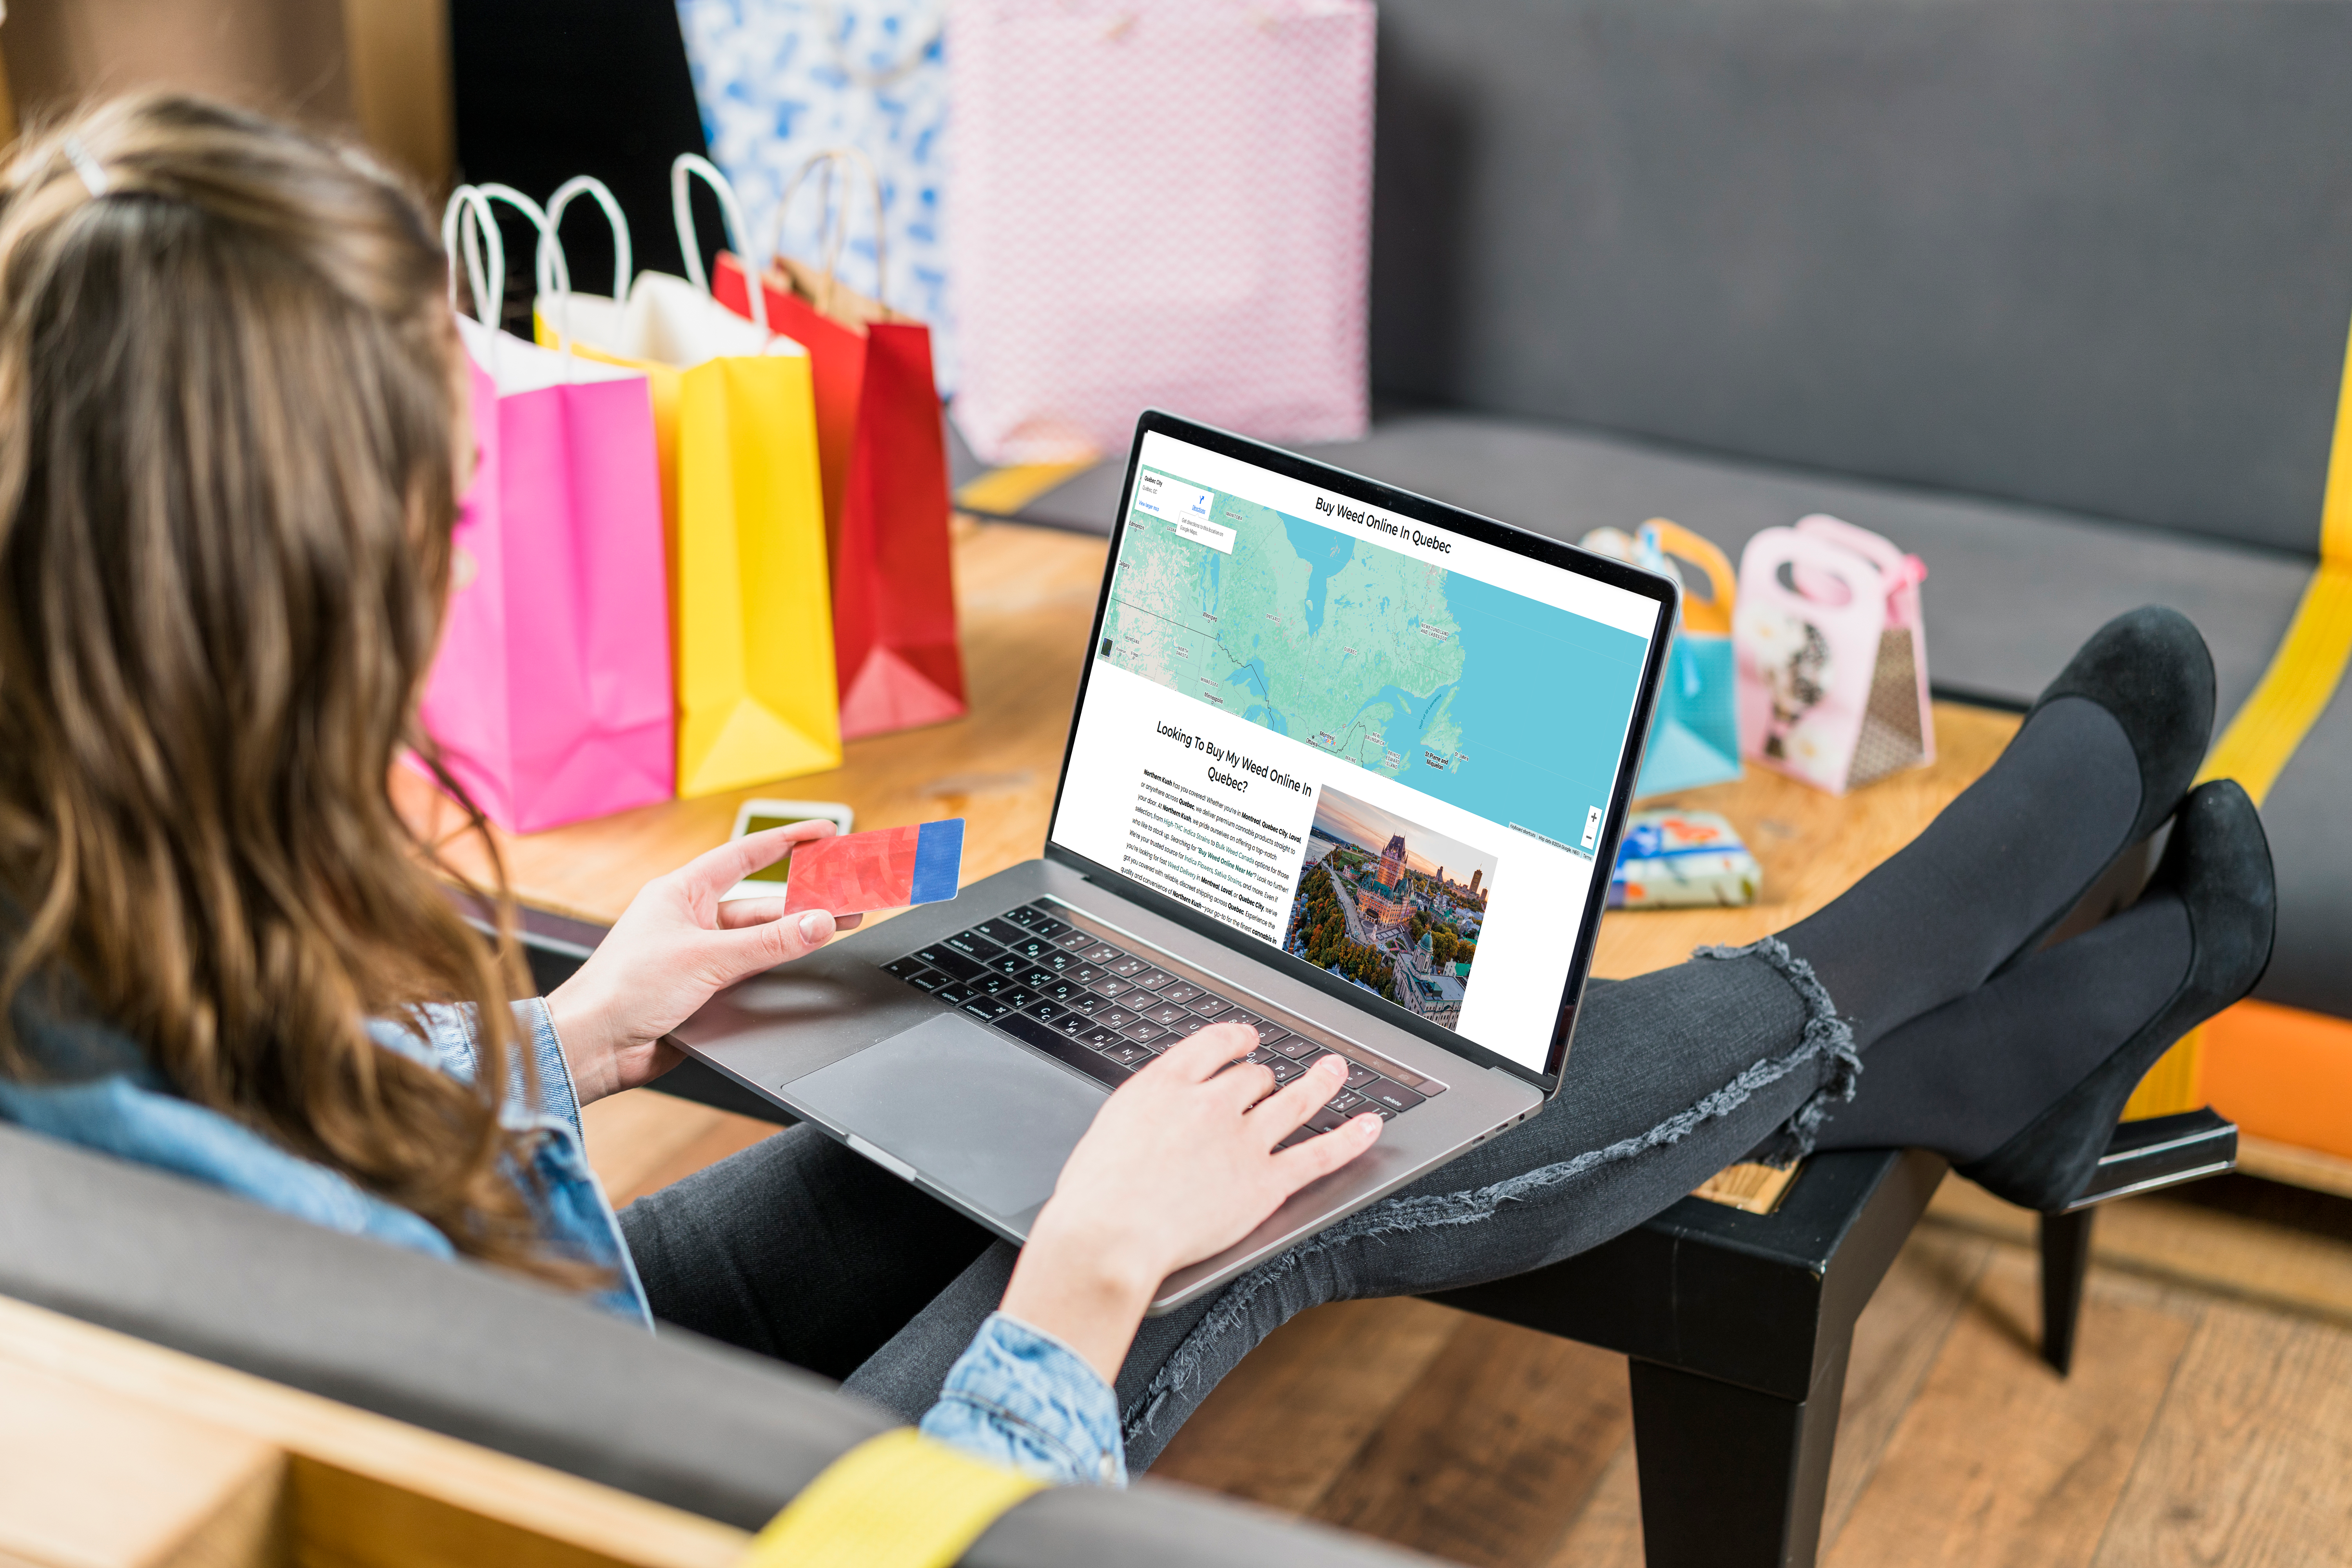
<point>2065,1260</point>
<point>1737,1328</point>
<point>1730,1474</point>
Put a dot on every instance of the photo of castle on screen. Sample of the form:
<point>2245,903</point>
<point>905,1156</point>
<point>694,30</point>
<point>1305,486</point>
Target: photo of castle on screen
<point>1390,906</point>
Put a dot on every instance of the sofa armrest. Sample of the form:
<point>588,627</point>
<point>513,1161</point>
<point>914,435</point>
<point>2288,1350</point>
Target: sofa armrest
<point>523,1369</point>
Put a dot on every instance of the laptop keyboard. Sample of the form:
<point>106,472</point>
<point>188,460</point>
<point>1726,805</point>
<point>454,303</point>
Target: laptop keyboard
<point>1108,1012</point>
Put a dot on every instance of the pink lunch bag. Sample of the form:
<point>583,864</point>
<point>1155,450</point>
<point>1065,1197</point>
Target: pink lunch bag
<point>1832,665</point>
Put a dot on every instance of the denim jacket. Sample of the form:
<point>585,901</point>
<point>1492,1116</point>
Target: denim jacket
<point>1017,1395</point>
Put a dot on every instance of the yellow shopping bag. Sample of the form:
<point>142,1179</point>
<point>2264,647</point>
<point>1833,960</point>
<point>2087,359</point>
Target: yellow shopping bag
<point>735,428</point>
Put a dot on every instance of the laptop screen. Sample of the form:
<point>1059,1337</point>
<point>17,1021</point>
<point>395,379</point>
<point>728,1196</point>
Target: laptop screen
<point>1380,745</point>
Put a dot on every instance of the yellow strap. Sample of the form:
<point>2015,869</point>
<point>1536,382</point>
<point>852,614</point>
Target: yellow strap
<point>1002,492</point>
<point>2336,507</point>
<point>899,1500</point>
<point>2304,673</point>
<point>2293,691</point>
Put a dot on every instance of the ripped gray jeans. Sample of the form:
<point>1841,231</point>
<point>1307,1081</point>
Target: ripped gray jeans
<point>1672,1076</point>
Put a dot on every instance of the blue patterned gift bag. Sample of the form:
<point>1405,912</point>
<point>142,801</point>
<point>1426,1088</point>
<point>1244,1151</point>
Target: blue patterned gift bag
<point>780,80</point>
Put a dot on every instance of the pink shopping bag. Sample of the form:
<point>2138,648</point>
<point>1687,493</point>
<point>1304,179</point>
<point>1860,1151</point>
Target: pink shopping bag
<point>1160,202</point>
<point>550,696</point>
<point>1832,656</point>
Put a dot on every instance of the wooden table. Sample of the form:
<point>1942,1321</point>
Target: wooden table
<point>1027,598</point>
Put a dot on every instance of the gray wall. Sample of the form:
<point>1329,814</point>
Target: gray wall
<point>2089,254</point>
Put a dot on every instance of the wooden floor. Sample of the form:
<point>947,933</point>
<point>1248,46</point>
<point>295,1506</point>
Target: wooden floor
<point>2208,1422</point>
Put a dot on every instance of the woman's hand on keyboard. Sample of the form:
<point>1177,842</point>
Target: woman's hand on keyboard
<point>1180,1164</point>
<point>677,945</point>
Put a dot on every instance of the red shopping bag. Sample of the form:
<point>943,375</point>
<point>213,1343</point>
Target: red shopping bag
<point>882,448</point>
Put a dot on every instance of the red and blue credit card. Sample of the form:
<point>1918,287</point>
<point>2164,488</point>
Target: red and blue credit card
<point>852,873</point>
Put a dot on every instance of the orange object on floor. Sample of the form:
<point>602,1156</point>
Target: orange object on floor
<point>2282,1074</point>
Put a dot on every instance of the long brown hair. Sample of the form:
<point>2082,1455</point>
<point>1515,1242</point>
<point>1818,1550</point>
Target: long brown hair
<point>226,477</point>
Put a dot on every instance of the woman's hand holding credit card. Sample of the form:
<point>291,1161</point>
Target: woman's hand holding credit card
<point>680,941</point>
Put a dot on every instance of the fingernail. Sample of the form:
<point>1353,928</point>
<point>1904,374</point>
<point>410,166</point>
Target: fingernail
<point>816,926</point>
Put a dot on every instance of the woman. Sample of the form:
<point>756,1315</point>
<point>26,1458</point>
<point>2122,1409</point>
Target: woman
<point>232,437</point>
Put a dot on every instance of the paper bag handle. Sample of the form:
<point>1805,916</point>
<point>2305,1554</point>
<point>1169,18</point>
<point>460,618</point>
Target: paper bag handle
<point>523,204</point>
<point>480,250</point>
<point>477,233</point>
<point>1710,616</point>
<point>479,220</point>
<point>832,236</point>
<point>554,270</point>
<point>729,210</point>
<point>624,259</point>
<point>829,27</point>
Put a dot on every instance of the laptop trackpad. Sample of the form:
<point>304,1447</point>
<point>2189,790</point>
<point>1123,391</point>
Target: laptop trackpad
<point>970,1110</point>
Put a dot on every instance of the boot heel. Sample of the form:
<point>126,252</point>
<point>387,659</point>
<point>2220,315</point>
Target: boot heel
<point>2142,1157</point>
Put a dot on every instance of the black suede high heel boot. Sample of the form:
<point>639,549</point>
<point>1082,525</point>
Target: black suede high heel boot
<point>2150,668</point>
<point>2219,865</point>
<point>2102,759</point>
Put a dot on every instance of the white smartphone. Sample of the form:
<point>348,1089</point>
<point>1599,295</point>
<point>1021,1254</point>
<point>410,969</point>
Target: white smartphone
<point>758,816</point>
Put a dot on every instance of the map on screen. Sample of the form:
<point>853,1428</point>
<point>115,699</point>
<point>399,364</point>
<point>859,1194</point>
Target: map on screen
<point>1501,704</point>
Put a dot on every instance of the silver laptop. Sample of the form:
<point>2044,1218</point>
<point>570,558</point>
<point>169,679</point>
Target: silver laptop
<point>1349,767</point>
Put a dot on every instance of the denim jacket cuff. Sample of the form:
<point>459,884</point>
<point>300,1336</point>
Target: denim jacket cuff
<point>1021,1397</point>
<point>451,1039</point>
<point>557,1094</point>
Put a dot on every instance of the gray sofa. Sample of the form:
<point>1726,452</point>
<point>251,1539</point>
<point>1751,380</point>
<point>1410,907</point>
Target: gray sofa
<point>2053,293</point>
<point>460,1350</point>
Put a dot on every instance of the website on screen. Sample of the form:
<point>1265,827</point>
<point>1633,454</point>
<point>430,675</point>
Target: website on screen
<point>1382,746</point>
